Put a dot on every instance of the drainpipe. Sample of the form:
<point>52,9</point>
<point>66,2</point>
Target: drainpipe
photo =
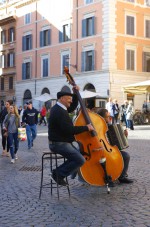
<point>77,35</point>
<point>35,48</point>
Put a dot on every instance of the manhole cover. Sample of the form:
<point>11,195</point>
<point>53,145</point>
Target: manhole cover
<point>31,168</point>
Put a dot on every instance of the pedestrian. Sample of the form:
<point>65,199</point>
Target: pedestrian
<point>144,107</point>
<point>30,118</point>
<point>22,111</point>
<point>11,124</point>
<point>123,114</point>
<point>43,115</point>
<point>116,111</point>
<point>3,114</point>
<point>19,109</point>
<point>111,109</point>
<point>126,157</point>
<point>129,116</point>
<point>61,133</point>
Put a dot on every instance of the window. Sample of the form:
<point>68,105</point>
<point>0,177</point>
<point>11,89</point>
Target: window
<point>147,2</point>
<point>2,84</point>
<point>65,58</point>
<point>130,60</point>
<point>11,59</point>
<point>88,1</point>
<point>10,83</point>
<point>147,28</point>
<point>28,18</point>
<point>65,34</point>
<point>45,38</point>
<point>88,60</point>
<point>88,26</point>
<point>26,70</point>
<point>11,34</point>
<point>146,61</point>
<point>3,36</point>
<point>3,61</point>
<point>130,25</point>
<point>45,66</point>
<point>27,42</point>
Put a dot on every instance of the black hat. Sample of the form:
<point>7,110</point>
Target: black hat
<point>63,93</point>
<point>29,102</point>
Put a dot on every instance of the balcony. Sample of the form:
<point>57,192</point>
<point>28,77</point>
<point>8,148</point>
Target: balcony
<point>7,18</point>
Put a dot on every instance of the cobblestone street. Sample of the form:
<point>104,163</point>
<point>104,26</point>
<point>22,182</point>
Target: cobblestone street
<point>125,206</point>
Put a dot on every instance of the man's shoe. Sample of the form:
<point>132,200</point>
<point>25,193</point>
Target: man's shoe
<point>125,180</point>
<point>58,179</point>
<point>111,184</point>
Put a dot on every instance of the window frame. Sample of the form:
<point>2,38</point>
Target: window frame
<point>27,18</point>
<point>144,62</point>
<point>2,84</point>
<point>134,24</point>
<point>27,42</point>
<point>11,81</point>
<point>43,38</point>
<point>85,26</point>
<point>130,48</point>
<point>63,58</point>
<point>24,69</point>
<point>44,57</point>
<point>145,28</point>
<point>85,59</point>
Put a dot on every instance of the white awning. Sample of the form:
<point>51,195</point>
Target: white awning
<point>138,88</point>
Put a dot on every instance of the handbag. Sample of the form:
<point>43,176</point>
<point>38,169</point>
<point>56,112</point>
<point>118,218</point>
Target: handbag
<point>5,133</point>
<point>22,134</point>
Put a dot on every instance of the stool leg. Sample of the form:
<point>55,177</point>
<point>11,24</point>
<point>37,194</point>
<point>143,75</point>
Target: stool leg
<point>57,175</point>
<point>67,183</point>
<point>41,186</point>
<point>51,169</point>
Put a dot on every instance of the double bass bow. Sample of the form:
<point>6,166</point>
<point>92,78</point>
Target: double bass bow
<point>104,163</point>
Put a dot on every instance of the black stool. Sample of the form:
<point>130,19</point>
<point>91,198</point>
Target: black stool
<point>53,159</point>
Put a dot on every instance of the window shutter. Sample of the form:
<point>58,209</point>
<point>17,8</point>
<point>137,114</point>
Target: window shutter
<point>13,59</point>
<point>60,36</point>
<point>144,62</point>
<point>23,71</point>
<point>83,27</point>
<point>128,60</point>
<point>93,25</point>
<point>49,37</point>
<point>93,59</point>
<point>0,61</point>
<point>30,42</point>
<point>147,29</point>
<point>41,38</point>
<point>9,30</point>
<point>8,60</point>
<point>83,61</point>
<point>45,67</point>
<point>64,63</point>
<point>23,43</point>
<point>69,32</point>
<point>5,61</point>
<point>132,25</point>
<point>132,60</point>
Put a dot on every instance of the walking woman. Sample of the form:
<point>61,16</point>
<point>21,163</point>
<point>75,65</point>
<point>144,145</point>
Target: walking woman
<point>3,114</point>
<point>11,124</point>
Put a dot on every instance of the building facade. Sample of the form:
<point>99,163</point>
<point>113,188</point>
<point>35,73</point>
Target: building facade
<point>104,43</point>
<point>7,52</point>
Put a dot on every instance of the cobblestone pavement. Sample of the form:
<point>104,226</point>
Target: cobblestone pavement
<point>125,206</point>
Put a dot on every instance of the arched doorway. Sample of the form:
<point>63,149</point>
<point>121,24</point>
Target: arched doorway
<point>45,90</point>
<point>90,102</point>
<point>27,96</point>
<point>66,89</point>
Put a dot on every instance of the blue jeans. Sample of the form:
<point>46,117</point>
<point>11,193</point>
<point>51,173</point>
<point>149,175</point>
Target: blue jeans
<point>13,143</point>
<point>71,152</point>
<point>130,124</point>
<point>31,134</point>
<point>126,159</point>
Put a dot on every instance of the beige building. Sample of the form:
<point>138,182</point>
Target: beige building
<point>105,44</point>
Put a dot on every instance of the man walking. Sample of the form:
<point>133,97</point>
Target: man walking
<point>30,117</point>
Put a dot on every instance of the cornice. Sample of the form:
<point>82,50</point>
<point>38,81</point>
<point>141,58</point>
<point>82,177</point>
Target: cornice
<point>24,3</point>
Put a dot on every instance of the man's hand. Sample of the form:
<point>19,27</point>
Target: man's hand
<point>90,127</point>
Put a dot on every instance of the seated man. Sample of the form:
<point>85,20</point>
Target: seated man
<point>126,157</point>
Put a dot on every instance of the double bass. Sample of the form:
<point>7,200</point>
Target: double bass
<point>104,163</point>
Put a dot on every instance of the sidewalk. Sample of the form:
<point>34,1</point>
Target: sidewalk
<point>125,206</point>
